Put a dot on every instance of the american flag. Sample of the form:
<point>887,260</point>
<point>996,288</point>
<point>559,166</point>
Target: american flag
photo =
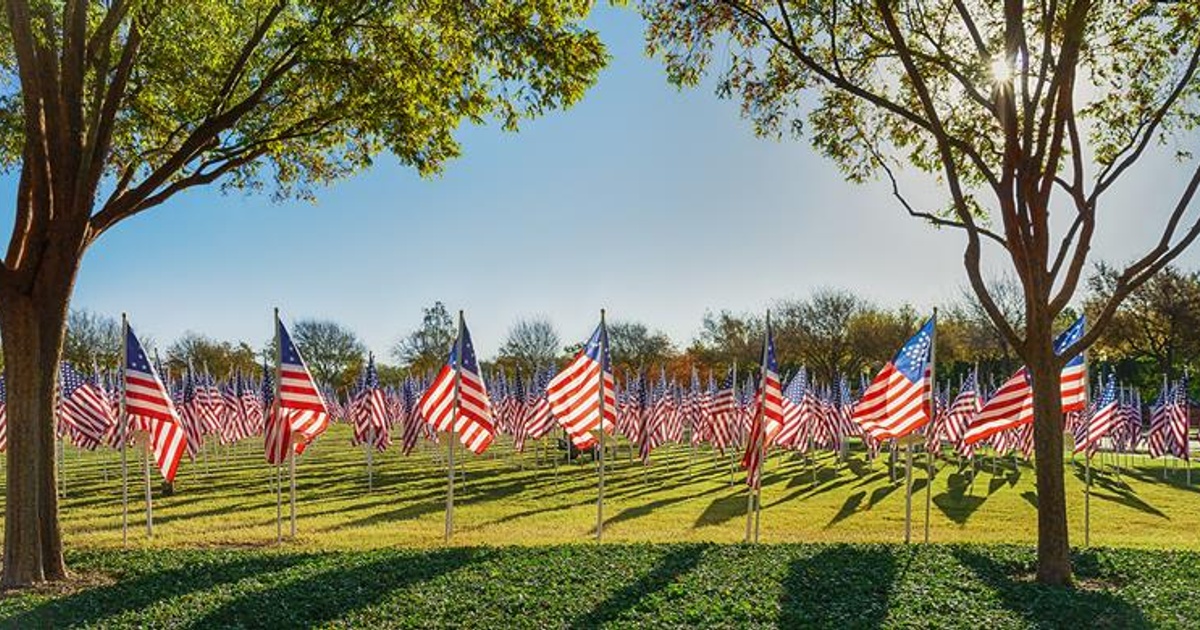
<point>896,402</point>
<point>1102,420</point>
<point>793,396</point>
<point>538,420</point>
<point>439,406</point>
<point>962,411</point>
<point>1073,383</point>
<point>1159,437</point>
<point>189,414</point>
<point>300,402</point>
<point>372,407</point>
<point>413,424</point>
<point>723,412</point>
<point>83,407</point>
<point>147,402</point>
<point>1012,404</point>
<point>1177,421</point>
<point>574,393</point>
<point>768,419</point>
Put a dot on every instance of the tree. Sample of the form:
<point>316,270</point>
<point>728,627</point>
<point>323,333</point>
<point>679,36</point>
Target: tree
<point>1159,320</point>
<point>112,108</point>
<point>204,354</point>
<point>425,348</point>
<point>634,346</point>
<point>92,339</point>
<point>816,332</point>
<point>726,337</point>
<point>1017,111</point>
<point>531,344</point>
<point>331,351</point>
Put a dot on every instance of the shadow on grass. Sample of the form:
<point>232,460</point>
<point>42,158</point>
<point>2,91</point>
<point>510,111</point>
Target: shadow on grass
<point>838,587</point>
<point>1053,606</point>
<point>955,503</point>
<point>669,568</point>
<point>333,592</point>
<point>848,508</point>
<point>722,510</point>
<point>139,590</point>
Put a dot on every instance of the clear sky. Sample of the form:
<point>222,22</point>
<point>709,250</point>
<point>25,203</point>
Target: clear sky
<point>654,203</point>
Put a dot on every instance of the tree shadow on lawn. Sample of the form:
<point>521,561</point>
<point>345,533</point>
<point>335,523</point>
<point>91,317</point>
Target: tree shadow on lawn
<point>331,593</point>
<point>841,586</point>
<point>1054,606</point>
<point>144,589</point>
<point>668,569</point>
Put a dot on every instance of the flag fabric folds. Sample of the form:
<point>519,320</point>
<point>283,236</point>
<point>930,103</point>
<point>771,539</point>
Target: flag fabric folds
<point>574,393</point>
<point>469,414</point>
<point>149,408</point>
<point>895,404</point>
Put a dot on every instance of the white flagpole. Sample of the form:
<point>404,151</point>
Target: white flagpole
<point>279,418</point>
<point>149,500</point>
<point>124,422</point>
<point>1087,458</point>
<point>932,425</point>
<point>371,459</point>
<point>600,457</point>
<point>450,435</point>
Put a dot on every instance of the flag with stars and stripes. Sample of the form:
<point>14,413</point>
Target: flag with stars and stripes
<point>768,419</point>
<point>575,393</point>
<point>83,407</point>
<point>1101,422</point>
<point>896,402</point>
<point>1012,405</point>
<point>149,407</point>
<point>457,400</point>
<point>300,404</point>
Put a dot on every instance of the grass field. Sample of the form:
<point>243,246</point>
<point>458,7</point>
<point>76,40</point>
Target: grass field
<point>507,499</point>
<point>522,554</point>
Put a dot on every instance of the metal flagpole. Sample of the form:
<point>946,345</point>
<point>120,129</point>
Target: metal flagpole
<point>932,415</point>
<point>733,392</point>
<point>600,461</point>
<point>280,419</point>
<point>124,421</point>
<point>292,471</point>
<point>756,439</point>
<point>149,500</point>
<point>371,459</point>
<point>1087,458</point>
<point>458,362</point>
<point>908,483</point>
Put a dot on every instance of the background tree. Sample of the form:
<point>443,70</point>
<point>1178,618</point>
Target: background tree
<point>332,351</point>
<point>530,344</point>
<point>92,339</point>
<point>1017,111</point>
<point>207,355</point>
<point>634,346</point>
<point>1158,323</point>
<point>112,108</point>
<point>425,349</point>
<point>726,337</point>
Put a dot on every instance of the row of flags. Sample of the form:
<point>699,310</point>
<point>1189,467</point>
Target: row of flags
<point>585,397</point>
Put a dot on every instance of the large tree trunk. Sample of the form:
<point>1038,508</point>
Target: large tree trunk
<point>1054,552</point>
<point>32,324</point>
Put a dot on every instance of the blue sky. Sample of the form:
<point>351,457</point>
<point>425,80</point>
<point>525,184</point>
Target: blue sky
<point>654,203</point>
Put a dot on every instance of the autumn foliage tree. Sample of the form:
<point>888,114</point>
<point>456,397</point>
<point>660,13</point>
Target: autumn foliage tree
<point>1025,114</point>
<point>112,108</point>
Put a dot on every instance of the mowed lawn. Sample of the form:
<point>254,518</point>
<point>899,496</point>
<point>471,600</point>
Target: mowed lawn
<point>504,498</point>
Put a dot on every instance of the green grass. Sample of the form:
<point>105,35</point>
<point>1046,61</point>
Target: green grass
<point>510,500</point>
<point>589,586</point>
<point>522,553</point>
